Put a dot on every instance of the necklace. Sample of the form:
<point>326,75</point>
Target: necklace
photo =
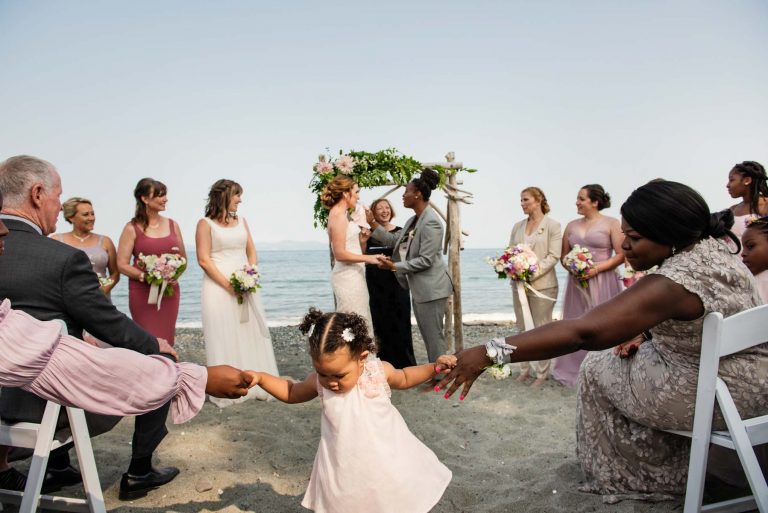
<point>81,239</point>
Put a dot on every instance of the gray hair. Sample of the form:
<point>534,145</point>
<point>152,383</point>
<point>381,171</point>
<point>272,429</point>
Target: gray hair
<point>18,174</point>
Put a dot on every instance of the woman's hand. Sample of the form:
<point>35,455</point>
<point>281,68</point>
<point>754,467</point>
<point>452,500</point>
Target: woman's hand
<point>369,216</point>
<point>628,348</point>
<point>365,234</point>
<point>384,262</point>
<point>594,271</point>
<point>470,364</point>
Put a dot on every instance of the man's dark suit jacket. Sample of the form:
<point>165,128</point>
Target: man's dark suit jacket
<point>51,280</point>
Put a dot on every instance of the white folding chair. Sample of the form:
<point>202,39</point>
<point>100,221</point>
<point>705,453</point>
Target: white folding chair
<point>723,337</point>
<point>40,437</point>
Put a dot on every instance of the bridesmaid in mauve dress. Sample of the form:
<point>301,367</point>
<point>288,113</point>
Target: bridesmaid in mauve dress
<point>602,235</point>
<point>150,233</point>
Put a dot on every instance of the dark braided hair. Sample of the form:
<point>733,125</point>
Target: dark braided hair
<point>760,224</point>
<point>325,333</point>
<point>219,198</point>
<point>426,182</point>
<point>758,187</point>
<point>675,215</point>
<point>595,192</point>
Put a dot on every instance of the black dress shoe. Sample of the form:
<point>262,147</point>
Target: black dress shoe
<point>12,479</point>
<point>58,478</point>
<point>133,487</point>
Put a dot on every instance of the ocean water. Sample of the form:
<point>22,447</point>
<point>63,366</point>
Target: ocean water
<point>292,281</point>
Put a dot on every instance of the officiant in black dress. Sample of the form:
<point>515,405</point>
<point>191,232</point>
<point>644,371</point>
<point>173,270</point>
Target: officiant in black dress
<point>390,303</point>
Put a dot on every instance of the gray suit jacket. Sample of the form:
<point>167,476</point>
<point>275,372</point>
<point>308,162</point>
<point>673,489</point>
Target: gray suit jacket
<point>423,271</point>
<point>547,244</point>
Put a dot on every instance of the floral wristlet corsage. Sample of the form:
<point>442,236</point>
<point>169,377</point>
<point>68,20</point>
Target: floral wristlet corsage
<point>501,354</point>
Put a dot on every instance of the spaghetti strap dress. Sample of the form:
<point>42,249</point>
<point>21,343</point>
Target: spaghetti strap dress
<point>159,322</point>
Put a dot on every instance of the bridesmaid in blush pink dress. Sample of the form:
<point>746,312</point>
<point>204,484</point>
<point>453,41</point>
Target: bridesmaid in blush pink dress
<point>149,233</point>
<point>602,235</point>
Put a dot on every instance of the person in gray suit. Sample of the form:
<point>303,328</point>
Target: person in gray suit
<point>417,262</point>
<point>544,236</point>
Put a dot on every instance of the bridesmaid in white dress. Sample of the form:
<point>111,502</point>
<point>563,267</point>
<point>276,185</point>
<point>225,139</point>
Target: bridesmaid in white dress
<point>224,245</point>
<point>348,277</point>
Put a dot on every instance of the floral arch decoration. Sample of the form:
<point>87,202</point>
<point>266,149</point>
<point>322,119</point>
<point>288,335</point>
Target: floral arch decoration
<point>385,167</point>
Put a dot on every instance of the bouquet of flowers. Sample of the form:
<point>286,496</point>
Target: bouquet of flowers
<point>630,276</point>
<point>104,282</point>
<point>579,262</point>
<point>159,270</point>
<point>519,263</point>
<point>245,281</point>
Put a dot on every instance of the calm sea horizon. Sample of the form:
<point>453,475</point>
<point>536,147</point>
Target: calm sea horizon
<point>292,281</point>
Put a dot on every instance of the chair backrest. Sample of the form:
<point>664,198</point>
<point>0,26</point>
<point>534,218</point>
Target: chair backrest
<point>744,330</point>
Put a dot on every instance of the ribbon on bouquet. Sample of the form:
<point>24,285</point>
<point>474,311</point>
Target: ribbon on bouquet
<point>156,293</point>
<point>249,303</point>
<point>244,306</point>
<point>521,286</point>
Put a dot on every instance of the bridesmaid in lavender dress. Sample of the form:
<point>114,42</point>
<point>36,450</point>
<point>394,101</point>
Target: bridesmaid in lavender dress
<point>100,249</point>
<point>602,235</point>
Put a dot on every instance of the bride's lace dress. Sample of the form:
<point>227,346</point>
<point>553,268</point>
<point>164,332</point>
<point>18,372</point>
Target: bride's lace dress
<point>348,281</point>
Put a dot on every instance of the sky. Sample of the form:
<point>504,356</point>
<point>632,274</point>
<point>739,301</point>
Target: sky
<point>556,94</point>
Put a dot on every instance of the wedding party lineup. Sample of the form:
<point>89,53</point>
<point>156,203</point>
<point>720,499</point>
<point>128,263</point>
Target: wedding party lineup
<point>413,257</point>
<point>629,343</point>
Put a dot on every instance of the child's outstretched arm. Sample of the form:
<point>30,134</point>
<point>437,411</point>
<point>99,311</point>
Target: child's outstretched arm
<point>412,376</point>
<point>285,390</point>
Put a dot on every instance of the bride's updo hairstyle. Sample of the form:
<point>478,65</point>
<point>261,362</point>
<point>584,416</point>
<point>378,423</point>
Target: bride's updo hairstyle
<point>219,198</point>
<point>147,187</point>
<point>597,193</point>
<point>426,182</point>
<point>675,215</point>
<point>335,189</point>
<point>331,331</point>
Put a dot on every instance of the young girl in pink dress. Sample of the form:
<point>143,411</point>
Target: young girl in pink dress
<point>367,460</point>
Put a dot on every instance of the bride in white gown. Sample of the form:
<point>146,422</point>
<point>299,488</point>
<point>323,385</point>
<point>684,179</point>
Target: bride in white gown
<point>232,336</point>
<point>348,276</point>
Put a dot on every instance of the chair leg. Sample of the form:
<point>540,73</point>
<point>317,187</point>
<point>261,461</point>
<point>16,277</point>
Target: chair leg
<point>45,433</point>
<point>86,460</point>
<point>743,447</point>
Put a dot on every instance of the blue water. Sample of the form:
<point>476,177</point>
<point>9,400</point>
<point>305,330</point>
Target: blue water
<point>292,281</point>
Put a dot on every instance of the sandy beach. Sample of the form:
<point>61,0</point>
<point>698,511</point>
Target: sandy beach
<point>510,448</point>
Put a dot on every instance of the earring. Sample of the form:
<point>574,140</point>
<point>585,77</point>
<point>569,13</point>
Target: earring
<point>674,251</point>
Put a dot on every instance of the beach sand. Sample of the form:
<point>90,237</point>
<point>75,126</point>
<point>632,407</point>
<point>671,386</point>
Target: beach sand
<point>510,448</point>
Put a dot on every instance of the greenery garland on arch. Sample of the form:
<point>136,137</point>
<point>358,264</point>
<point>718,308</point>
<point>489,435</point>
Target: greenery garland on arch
<point>385,167</point>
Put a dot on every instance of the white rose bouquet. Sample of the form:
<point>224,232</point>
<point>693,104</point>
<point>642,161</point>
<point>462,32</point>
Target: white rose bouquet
<point>245,281</point>
<point>579,262</point>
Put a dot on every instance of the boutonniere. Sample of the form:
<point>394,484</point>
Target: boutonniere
<point>540,230</point>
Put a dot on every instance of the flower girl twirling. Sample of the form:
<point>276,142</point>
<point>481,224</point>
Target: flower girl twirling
<point>367,459</point>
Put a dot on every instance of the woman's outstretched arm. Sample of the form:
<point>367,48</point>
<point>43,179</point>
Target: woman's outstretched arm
<point>651,301</point>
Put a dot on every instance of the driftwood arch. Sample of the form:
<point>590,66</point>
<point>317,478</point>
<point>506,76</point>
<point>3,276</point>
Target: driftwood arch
<point>390,168</point>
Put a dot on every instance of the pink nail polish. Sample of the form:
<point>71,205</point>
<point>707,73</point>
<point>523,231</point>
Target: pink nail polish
<point>461,398</point>
<point>437,388</point>
<point>447,395</point>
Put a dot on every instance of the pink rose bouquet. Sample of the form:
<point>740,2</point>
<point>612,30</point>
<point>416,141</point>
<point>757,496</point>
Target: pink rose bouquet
<point>579,262</point>
<point>518,263</point>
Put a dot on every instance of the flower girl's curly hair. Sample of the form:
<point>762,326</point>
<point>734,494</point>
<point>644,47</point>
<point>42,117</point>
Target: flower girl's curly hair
<point>333,330</point>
